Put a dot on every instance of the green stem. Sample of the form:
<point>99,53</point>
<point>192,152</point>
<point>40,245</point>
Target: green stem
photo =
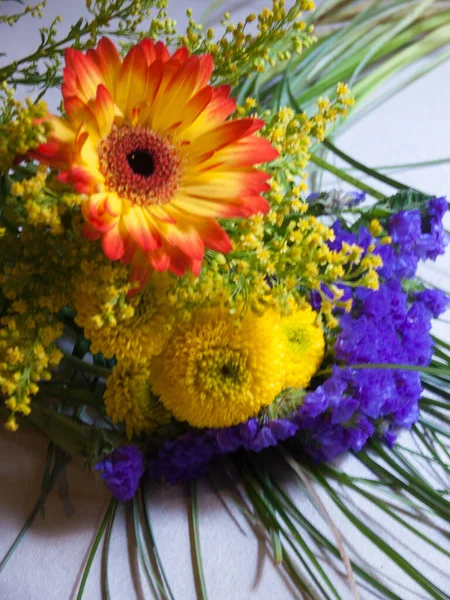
<point>85,367</point>
<point>44,52</point>
<point>106,519</point>
<point>437,371</point>
<point>346,177</point>
<point>355,163</point>
<point>196,533</point>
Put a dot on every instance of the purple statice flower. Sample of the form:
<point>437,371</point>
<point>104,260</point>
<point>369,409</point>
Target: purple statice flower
<point>433,239</point>
<point>183,459</point>
<point>188,456</point>
<point>415,236</point>
<point>435,300</point>
<point>257,436</point>
<point>352,404</point>
<point>121,471</point>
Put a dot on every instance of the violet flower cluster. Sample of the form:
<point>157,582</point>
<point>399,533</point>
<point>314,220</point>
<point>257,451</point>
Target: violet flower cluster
<point>384,327</point>
<point>122,471</point>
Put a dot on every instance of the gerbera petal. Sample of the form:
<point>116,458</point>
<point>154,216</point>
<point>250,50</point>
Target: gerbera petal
<point>169,70</point>
<point>192,110</point>
<point>53,153</point>
<point>96,212</point>
<point>141,229</point>
<point>61,129</point>
<point>248,206</point>
<point>113,205</point>
<point>108,61</point>
<point>200,207</point>
<point>161,213</point>
<point>90,232</point>
<point>185,237</point>
<point>213,236</point>
<point>224,184</point>
<point>248,151</point>
<point>183,84</point>
<point>104,110</point>
<point>154,79</point>
<point>132,81</point>
<point>113,243</point>
<point>148,47</point>
<point>141,271</point>
<point>159,259</point>
<point>182,54</point>
<point>225,134</point>
<point>79,178</point>
<point>87,73</point>
<point>219,108</point>
<point>161,52</point>
<point>79,112</point>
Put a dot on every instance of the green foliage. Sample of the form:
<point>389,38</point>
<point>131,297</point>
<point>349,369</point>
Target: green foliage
<point>124,19</point>
<point>406,200</point>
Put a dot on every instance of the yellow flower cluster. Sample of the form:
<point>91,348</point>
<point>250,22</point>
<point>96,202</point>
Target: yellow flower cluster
<point>292,135</point>
<point>18,129</point>
<point>130,328</point>
<point>27,354</point>
<point>36,266</point>
<point>36,201</point>
<point>220,370</point>
<point>35,284</point>
<point>277,256</point>
<point>128,398</point>
<point>242,50</point>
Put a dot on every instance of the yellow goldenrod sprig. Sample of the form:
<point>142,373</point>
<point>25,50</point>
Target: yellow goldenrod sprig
<point>249,46</point>
<point>19,132</point>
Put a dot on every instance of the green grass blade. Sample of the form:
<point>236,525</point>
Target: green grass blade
<point>410,17</point>
<point>282,501</point>
<point>372,172</point>
<point>154,545</point>
<point>323,542</point>
<point>346,177</point>
<point>92,553</point>
<point>196,540</point>
<point>48,481</point>
<point>106,549</point>
<point>151,576</point>
<point>394,515</point>
<point>268,519</point>
<point>398,559</point>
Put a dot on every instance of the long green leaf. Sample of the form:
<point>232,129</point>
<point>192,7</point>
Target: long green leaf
<point>196,540</point>
<point>154,544</point>
<point>101,530</point>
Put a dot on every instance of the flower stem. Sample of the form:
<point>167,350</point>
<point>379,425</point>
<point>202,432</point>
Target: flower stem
<point>86,367</point>
<point>361,167</point>
<point>346,177</point>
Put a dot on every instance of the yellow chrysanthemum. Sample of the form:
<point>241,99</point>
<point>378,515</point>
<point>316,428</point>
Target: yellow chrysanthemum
<point>217,370</point>
<point>128,398</point>
<point>304,346</point>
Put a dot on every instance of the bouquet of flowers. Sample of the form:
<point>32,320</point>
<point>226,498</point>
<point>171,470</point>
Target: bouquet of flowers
<point>175,295</point>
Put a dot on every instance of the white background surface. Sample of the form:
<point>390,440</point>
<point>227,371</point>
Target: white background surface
<point>413,126</point>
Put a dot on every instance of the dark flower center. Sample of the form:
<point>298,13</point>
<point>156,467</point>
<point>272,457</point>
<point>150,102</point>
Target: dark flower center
<point>230,371</point>
<point>141,162</point>
<point>140,165</point>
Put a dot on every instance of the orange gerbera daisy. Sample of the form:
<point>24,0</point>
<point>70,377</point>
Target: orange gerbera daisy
<point>147,140</point>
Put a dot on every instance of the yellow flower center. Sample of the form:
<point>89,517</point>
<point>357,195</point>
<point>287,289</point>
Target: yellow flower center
<point>140,165</point>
